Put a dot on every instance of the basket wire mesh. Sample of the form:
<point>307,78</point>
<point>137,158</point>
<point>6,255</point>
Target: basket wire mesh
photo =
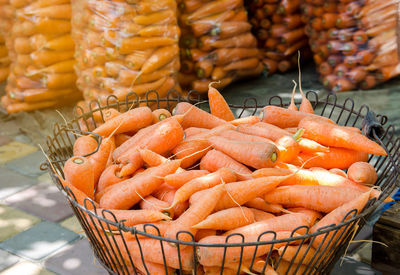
<point>113,242</point>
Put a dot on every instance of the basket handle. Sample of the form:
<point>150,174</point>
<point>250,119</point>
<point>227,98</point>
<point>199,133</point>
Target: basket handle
<point>371,127</point>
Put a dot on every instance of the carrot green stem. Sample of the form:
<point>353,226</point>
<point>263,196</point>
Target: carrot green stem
<point>297,136</point>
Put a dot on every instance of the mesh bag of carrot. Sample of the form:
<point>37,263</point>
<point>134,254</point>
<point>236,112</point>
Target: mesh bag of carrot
<point>279,29</point>
<point>216,44</point>
<point>42,56</point>
<point>5,15</point>
<point>355,43</point>
<point>125,46</point>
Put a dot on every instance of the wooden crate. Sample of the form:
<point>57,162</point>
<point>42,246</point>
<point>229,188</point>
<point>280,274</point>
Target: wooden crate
<point>387,230</point>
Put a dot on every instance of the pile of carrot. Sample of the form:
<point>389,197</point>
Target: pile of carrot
<point>211,174</point>
<point>42,55</point>
<point>125,46</point>
<point>5,25</point>
<point>216,44</point>
<point>280,33</point>
<point>354,42</point>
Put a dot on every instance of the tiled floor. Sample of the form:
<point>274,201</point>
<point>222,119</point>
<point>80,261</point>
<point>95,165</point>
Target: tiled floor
<point>38,233</point>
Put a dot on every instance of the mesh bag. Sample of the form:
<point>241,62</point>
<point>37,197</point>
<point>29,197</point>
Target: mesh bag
<point>355,43</point>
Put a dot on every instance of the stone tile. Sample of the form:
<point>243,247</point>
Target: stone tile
<point>76,259</point>
<point>39,241</point>
<point>73,224</point>
<point>14,150</point>
<point>7,259</point>
<point>28,165</point>
<point>14,221</point>
<point>45,178</point>
<point>42,200</point>
<point>4,140</point>
<point>23,138</point>
<point>12,182</point>
<point>27,268</point>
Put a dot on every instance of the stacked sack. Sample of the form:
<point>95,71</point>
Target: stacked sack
<point>42,56</point>
<point>216,44</point>
<point>6,12</point>
<point>354,42</point>
<point>123,47</point>
<point>279,29</point>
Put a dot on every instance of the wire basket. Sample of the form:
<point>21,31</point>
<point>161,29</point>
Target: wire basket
<point>123,250</point>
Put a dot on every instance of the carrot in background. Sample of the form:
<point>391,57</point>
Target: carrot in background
<point>79,172</point>
<point>215,160</point>
<point>363,173</point>
<point>333,135</point>
<point>218,105</point>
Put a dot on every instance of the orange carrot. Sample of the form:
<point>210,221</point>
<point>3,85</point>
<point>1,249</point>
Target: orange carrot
<point>196,213</point>
<point>79,171</point>
<point>222,175</point>
<point>254,154</point>
<point>284,118</point>
<point>125,194</point>
<point>363,173</point>
<point>319,198</point>
<point>110,176</point>
<point>215,160</point>
<point>333,135</point>
<point>260,215</point>
<point>120,139</point>
<point>213,256</point>
<point>292,106</point>
<point>288,147</point>
<point>284,266</point>
<point>152,203</point>
<point>202,233</point>
<point>227,219</point>
<point>296,254</point>
<point>153,252</point>
<point>132,120</point>
<point>191,131</point>
<point>259,203</point>
<point>218,105</point>
<point>280,223</point>
<point>84,145</point>
<point>310,146</point>
<point>239,193</point>
<point>100,158</point>
<point>245,120</point>
<point>338,172</point>
<point>160,114</point>
<point>266,172</point>
<point>335,217</point>
<point>235,135</point>
<point>336,158</point>
<point>263,129</point>
<point>179,179</point>
<point>195,117</point>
